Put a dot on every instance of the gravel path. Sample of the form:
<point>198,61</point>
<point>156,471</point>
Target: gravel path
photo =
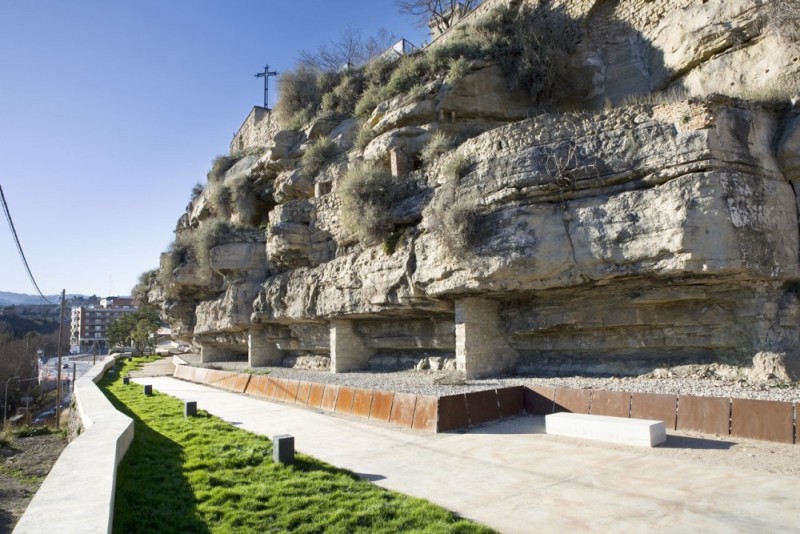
<point>444,383</point>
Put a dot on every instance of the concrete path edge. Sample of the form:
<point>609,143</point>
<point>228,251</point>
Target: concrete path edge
<point>78,493</point>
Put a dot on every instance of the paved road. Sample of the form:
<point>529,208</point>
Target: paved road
<point>513,478</point>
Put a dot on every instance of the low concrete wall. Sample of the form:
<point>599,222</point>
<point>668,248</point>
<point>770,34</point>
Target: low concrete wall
<point>78,494</point>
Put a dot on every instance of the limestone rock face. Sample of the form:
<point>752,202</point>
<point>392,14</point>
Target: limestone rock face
<point>789,153</point>
<point>622,239</point>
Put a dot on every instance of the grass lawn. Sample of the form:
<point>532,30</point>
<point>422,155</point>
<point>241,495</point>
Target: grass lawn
<point>204,475</point>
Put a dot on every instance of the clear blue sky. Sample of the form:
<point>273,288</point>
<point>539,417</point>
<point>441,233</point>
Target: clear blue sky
<point>110,111</point>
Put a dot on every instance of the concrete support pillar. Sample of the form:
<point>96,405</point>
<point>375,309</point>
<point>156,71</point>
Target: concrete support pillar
<point>482,349</point>
<point>262,351</point>
<point>399,163</point>
<point>211,353</point>
<point>348,352</point>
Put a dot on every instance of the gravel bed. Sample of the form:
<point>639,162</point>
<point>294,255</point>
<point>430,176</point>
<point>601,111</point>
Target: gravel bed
<point>438,383</point>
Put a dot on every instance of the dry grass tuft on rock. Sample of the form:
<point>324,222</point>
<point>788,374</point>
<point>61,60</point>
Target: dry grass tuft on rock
<point>455,219</point>
<point>363,137</point>
<point>220,196</point>
<point>457,166</point>
<point>318,154</point>
<point>784,15</point>
<point>438,144</point>
<point>367,192</point>
<point>220,166</point>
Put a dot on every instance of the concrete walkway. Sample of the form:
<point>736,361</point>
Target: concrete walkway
<point>160,367</point>
<point>513,478</point>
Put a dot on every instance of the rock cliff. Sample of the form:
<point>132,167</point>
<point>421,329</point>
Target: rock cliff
<point>629,209</point>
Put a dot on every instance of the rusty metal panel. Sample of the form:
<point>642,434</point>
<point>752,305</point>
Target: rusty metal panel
<point>572,400</point>
<point>281,385</point>
<point>381,407</point>
<point>315,395</point>
<point>613,403</point>
<point>201,375</point>
<point>344,402</point>
<point>425,413</point>
<point>303,390</point>
<point>511,401</point>
<point>760,419</point>
<point>539,400</point>
<point>403,409</point>
<point>184,372</point>
<point>329,397</point>
<point>241,382</point>
<point>272,385</point>
<point>482,407</point>
<point>656,406</point>
<point>362,399</point>
<point>452,413</point>
<point>709,415</point>
<point>257,386</point>
<point>291,390</point>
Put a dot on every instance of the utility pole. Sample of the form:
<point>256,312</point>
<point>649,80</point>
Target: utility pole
<point>58,371</point>
<point>266,75</point>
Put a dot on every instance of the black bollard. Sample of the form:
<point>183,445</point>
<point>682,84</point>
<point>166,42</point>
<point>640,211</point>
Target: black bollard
<point>148,390</point>
<point>283,449</point>
<point>190,408</point>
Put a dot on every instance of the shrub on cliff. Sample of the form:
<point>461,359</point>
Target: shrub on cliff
<point>194,245</point>
<point>319,153</point>
<point>220,166</point>
<point>342,98</point>
<point>367,192</point>
<point>455,217</point>
<point>784,15</point>
<point>299,97</point>
<point>220,197</point>
<point>437,145</point>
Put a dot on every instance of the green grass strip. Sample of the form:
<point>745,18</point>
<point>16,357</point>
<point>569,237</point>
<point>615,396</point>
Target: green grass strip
<point>204,475</point>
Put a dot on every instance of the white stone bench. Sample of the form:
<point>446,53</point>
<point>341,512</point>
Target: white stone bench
<point>641,432</point>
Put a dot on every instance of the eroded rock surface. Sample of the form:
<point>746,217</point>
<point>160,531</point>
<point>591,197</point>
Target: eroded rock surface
<point>614,240</point>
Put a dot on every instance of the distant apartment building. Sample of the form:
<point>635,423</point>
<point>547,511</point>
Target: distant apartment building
<point>89,326</point>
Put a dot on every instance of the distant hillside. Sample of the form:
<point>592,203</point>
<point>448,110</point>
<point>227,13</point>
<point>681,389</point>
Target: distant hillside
<point>19,326</point>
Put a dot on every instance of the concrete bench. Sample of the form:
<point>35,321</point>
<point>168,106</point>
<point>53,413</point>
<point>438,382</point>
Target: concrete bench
<point>641,432</point>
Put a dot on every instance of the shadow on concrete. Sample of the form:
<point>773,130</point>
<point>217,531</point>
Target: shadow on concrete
<point>686,442</point>
<point>520,424</point>
<point>370,477</point>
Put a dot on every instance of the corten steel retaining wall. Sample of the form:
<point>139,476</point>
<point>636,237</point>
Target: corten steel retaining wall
<point>78,494</point>
<point>754,419</point>
<point>420,412</point>
<point>739,418</point>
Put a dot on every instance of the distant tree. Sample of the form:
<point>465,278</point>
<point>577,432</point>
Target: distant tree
<point>441,13</point>
<point>135,330</point>
<point>350,49</point>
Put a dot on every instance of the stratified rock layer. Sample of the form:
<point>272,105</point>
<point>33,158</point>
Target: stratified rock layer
<point>610,242</point>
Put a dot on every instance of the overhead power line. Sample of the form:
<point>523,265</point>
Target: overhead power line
<point>19,246</point>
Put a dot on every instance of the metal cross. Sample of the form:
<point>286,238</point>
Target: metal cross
<point>266,75</point>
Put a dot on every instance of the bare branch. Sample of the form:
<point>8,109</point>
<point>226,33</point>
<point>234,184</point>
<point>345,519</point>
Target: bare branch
<point>441,14</point>
<point>349,49</point>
